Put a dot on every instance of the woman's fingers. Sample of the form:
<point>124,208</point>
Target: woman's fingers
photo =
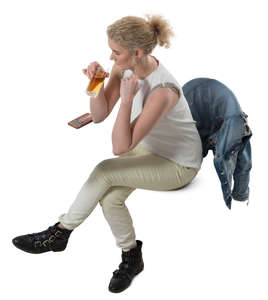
<point>93,68</point>
<point>89,71</point>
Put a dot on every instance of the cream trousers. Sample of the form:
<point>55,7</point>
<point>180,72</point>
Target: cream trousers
<point>113,180</point>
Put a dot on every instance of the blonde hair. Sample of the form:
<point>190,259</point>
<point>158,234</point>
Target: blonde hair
<point>134,32</point>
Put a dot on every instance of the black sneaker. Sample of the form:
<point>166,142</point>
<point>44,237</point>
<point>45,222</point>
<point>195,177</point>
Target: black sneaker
<point>53,239</point>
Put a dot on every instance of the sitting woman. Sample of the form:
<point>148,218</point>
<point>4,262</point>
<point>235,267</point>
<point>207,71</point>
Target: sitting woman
<point>154,137</point>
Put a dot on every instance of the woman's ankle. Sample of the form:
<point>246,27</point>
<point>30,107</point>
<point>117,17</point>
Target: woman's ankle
<point>61,226</point>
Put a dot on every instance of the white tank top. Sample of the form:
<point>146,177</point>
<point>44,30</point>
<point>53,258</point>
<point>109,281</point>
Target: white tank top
<point>175,136</point>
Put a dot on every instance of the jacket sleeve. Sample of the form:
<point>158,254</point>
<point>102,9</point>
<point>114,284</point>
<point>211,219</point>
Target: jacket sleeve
<point>242,171</point>
<point>232,158</point>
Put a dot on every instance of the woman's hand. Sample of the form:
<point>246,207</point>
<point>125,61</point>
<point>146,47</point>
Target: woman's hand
<point>128,88</point>
<point>92,69</point>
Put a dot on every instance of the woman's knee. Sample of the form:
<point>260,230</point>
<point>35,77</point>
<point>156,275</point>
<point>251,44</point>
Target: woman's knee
<point>101,171</point>
<point>105,165</point>
<point>100,166</point>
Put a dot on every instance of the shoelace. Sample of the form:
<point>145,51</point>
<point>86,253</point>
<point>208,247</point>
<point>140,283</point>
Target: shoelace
<point>122,271</point>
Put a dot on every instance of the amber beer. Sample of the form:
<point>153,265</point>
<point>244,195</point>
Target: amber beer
<point>96,83</point>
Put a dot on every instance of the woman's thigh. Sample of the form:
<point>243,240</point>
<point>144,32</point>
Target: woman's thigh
<point>142,169</point>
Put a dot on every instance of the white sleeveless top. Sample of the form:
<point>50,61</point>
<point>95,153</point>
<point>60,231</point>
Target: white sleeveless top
<point>175,135</point>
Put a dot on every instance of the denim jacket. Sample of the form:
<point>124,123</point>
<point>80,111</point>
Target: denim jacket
<point>223,128</point>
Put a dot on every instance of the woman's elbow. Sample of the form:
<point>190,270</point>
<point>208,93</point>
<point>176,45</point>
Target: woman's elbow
<point>97,121</point>
<point>116,152</point>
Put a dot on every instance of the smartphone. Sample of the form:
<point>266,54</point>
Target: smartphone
<point>81,121</point>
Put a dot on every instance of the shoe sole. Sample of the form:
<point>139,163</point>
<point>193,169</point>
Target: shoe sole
<point>119,291</point>
<point>28,251</point>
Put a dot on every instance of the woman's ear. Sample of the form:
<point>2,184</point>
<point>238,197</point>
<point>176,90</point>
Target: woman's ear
<point>139,53</point>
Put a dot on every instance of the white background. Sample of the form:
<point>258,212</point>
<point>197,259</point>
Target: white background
<point>194,247</point>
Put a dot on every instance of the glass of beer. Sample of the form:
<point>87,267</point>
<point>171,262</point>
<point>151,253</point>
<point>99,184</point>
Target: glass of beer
<point>96,83</point>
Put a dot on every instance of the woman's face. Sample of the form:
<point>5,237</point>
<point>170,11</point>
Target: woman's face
<point>121,56</point>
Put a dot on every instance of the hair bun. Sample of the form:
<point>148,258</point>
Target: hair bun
<point>161,28</point>
<point>155,25</point>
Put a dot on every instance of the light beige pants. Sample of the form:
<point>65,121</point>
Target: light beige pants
<point>113,180</point>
